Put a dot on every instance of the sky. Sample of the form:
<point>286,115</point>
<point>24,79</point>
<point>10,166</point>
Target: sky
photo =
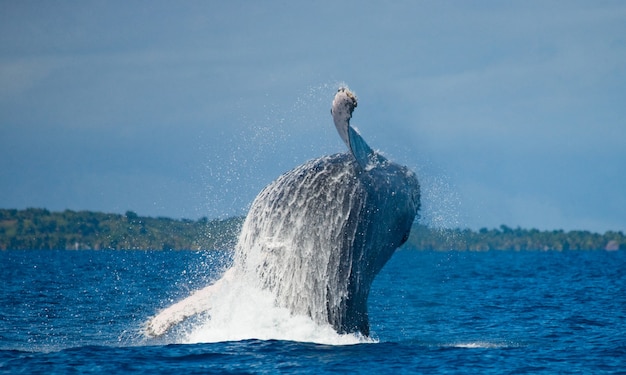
<point>511,113</point>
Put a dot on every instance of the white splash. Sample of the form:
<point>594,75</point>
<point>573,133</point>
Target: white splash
<point>232,309</point>
<point>242,312</point>
<point>479,345</point>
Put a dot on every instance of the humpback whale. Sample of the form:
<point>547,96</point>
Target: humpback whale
<point>317,236</point>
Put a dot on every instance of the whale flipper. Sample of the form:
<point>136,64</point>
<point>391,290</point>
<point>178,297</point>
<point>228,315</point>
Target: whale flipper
<point>364,155</point>
<point>197,303</point>
<point>343,105</point>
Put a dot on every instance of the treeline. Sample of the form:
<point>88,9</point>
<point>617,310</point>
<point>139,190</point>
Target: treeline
<point>506,238</point>
<point>36,228</point>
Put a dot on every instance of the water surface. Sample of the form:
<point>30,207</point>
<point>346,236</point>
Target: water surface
<point>453,312</point>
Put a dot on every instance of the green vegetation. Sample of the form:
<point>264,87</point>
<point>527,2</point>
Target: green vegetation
<point>506,238</point>
<point>35,228</point>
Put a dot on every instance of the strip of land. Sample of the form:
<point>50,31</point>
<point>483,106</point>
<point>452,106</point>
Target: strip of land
<point>38,229</point>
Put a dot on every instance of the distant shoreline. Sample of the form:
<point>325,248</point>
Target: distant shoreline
<point>41,229</point>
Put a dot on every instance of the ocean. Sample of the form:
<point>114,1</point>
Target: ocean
<point>430,312</point>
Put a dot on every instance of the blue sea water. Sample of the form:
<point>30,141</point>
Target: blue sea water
<point>430,312</point>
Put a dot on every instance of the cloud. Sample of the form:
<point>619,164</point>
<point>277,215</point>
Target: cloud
<point>503,101</point>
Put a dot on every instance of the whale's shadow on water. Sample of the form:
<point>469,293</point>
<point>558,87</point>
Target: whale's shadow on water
<point>316,237</point>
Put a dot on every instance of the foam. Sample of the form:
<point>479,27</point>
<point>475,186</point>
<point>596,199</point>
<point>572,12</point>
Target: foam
<point>242,312</point>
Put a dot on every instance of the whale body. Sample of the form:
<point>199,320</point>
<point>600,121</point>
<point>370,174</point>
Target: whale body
<point>317,236</point>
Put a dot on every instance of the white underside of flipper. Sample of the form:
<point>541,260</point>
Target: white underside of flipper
<point>343,105</point>
<point>197,303</point>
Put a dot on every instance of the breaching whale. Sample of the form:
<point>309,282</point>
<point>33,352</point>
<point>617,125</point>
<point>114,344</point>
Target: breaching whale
<point>317,236</point>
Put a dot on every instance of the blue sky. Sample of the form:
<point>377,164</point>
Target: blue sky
<point>511,112</point>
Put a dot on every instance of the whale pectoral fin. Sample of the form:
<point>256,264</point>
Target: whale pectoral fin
<point>178,312</point>
<point>197,303</point>
<point>362,152</point>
